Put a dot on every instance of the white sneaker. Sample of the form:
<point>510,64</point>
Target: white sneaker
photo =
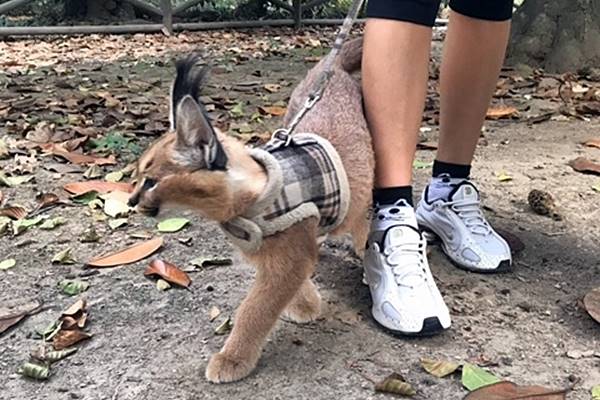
<point>405,297</point>
<point>467,238</point>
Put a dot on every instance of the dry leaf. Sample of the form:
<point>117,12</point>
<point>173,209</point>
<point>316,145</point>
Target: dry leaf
<point>75,309</point>
<point>46,200</point>
<point>102,187</point>
<point>93,172</point>
<point>439,368</point>
<point>510,391</point>
<point>224,327</point>
<point>213,313</point>
<point>395,384</point>
<point>13,212</point>
<point>128,255</point>
<point>169,272</point>
<point>35,371</point>
<point>500,112</point>
<point>77,158</point>
<point>67,338</point>
<point>42,353</point>
<point>115,204</point>
<point>10,316</point>
<point>63,257</point>
<point>592,143</point>
<point>272,110</point>
<point>591,302</point>
<point>162,285</point>
<point>582,164</point>
<point>272,87</point>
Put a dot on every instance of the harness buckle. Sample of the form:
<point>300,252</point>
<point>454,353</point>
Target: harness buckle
<point>283,135</point>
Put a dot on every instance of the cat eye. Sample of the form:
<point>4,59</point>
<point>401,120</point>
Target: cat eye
<point>149,183</point>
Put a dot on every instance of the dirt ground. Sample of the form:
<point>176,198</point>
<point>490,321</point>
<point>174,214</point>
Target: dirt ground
<point>149,344</point>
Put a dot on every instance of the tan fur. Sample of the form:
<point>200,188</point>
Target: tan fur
<point>286,260</point>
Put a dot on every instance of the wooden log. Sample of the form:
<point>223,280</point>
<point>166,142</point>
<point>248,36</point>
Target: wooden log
<point>147,8</point>
<point>167,11</point>
<point>9,5</point>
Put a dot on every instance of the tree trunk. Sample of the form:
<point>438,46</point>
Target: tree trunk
<point>557,35</point>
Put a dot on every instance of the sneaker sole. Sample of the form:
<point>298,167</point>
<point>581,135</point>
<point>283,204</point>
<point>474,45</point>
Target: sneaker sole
<point>503,268</point>
<point>431,327</point>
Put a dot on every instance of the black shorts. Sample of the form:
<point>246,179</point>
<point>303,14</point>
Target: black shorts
<point>424,12</point>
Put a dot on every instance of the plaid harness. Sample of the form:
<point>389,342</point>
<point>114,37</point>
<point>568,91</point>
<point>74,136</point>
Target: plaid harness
<point>305,178</point>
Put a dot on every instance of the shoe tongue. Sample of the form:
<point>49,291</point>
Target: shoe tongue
<point>401,234</point>
<point>465,191</point>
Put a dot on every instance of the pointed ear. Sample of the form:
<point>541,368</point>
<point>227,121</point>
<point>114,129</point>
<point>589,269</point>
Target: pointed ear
<point>194,131</point>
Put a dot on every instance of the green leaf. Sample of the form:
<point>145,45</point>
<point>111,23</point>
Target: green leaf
<point>93,172</point>
<point>85,198</point>
<point>504,177</point>
<point>114,176</point>
<point>73,287</point>
<point>115,208</point>
<point>63,257</point>
<point>11,181</point>
<point>50,331</point>
<point>438,368</point>
<point>419,164</point>
<point>44,354</point>
<point>596,392</point>
<point>224,327</point>
<point>8,263</point>
<point>172,224</point>
<point>237,110</point>
<point>474,377</point>
<point>52,223</point>
<point>35,371</point>
<point>162,285</point>
<point>117,223</point>
<point>4,224</point>
<point>395,384</point>
<point>21,225</point>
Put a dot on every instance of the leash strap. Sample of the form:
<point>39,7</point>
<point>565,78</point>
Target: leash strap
<point>285,134</point>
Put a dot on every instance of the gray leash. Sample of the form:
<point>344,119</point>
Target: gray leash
<point>285,134</point>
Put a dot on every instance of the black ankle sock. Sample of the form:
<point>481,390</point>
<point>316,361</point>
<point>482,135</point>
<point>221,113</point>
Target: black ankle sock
<point>390,195</point>
<point>459,171</point>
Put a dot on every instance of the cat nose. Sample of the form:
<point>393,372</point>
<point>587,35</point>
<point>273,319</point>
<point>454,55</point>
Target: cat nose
<point>133,200</point>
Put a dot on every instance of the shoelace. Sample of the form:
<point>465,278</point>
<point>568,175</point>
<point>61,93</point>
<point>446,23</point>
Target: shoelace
<point>408,260</point>
<point>470,213</point>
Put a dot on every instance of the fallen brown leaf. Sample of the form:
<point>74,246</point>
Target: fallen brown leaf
<point>595,142</point>
<point>13,212</point>
<point>591,302</point>
<point>128,255</point>
<point>168,272</point>
<point>67,338</point>
<point>582,164</point>
<point>439,368</point>
<point>272,110</point>
<point>10,316</point>
<point>511,391</point>
<point>499,112</point>
<point>101,187</point>
<point>77,158</point>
